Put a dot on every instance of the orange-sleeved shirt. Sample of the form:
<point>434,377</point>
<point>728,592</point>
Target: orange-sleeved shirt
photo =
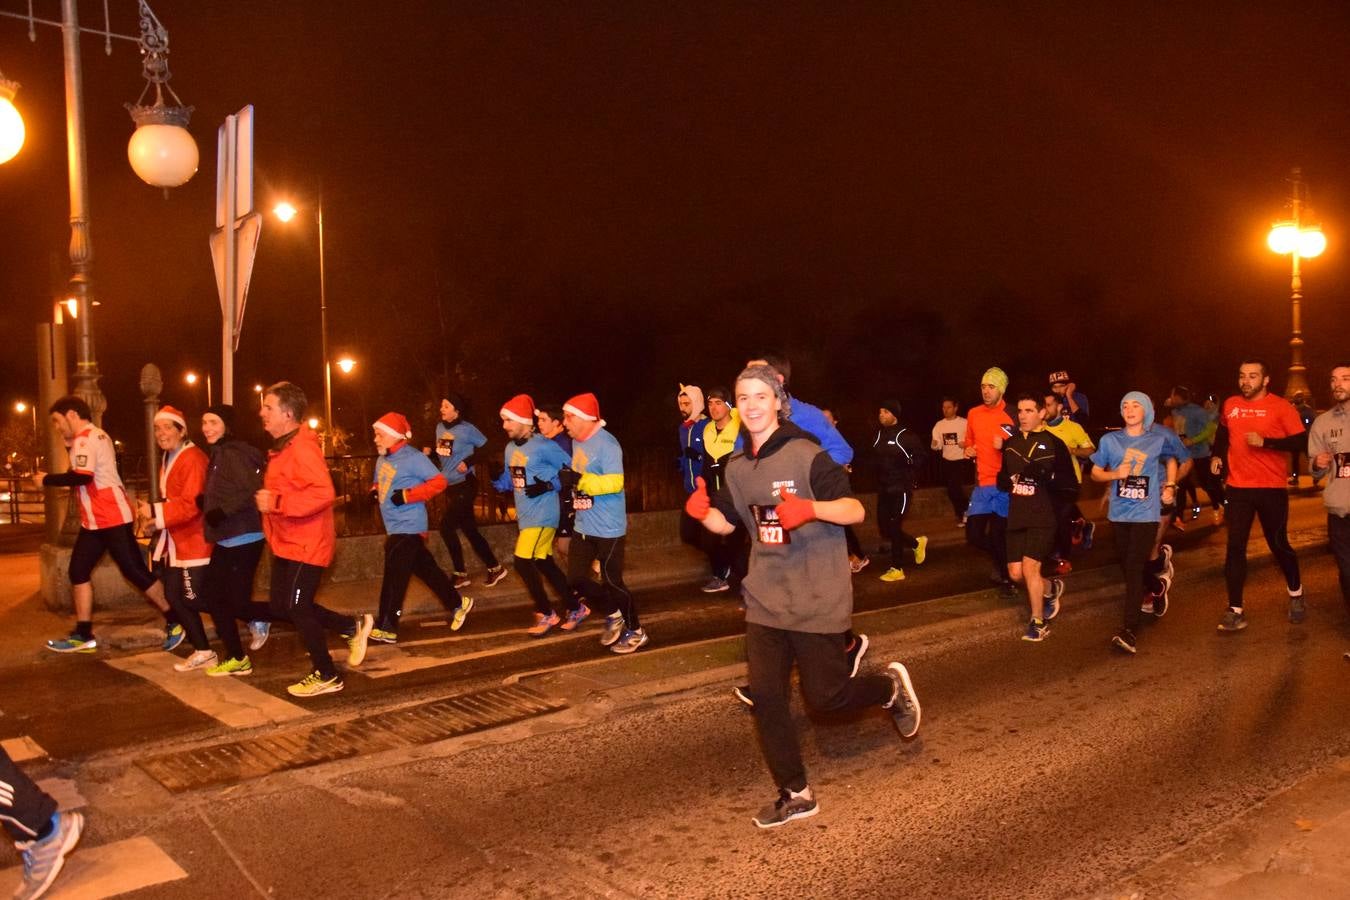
<point>983,424</point>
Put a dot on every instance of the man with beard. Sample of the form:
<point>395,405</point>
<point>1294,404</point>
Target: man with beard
<point>1257,431</point>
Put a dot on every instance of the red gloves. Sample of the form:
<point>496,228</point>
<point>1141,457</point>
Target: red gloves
<point>699,504</point>
<point>793,511</point>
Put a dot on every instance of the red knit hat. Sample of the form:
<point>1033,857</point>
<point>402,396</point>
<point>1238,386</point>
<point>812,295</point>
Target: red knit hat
<point>395,425</point>
<point>519,408</point>
<point>170,414</point>
<point>585,406</point>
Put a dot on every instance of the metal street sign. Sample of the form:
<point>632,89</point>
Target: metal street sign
<point>247,232</point>
<point>235,222</point>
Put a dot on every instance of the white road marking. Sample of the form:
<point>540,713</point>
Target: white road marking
<point>229,700</point>
<point>92,873</point>
<point>23,748</point>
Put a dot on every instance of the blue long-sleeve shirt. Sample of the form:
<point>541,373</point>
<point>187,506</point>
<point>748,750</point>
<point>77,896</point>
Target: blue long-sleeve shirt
<point>538,457</point>
<point>810,419</point>
<point>403,469</point>
<point>599,515</point>
<point>455,443</point>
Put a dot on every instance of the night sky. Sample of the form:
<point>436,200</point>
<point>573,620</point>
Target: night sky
<point>557,197</point>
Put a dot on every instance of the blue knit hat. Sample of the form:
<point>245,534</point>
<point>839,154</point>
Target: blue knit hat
<point>1143,400</point>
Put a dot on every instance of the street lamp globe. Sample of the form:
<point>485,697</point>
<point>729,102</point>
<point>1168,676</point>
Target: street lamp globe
<point>284,211</point>
<point>1311,242</point>
<point>163,155</point>
<point>12,131</point>
<point>1283,237</point>
<point>346,364</point>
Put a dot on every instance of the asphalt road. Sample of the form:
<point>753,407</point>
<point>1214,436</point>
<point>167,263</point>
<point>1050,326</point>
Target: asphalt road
<point>1051,770</point>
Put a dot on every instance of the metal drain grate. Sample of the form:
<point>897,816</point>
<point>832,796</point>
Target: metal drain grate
<point>298,747</point>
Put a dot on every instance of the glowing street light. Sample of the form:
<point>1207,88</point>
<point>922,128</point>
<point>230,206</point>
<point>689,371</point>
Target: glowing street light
<point>1297,240</point>
<point>346,364</point>
<point>314,423</point>
<point>192,378</point>
<point>286,211</point>
<point>12,131</point>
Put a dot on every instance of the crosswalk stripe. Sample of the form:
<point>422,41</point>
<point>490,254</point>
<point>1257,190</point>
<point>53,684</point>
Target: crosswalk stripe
<point>92,873</point>
<point>23,748</point>
<point>228,700</point>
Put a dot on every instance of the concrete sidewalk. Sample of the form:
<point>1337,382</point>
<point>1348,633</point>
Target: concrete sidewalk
<point>1291,846</point>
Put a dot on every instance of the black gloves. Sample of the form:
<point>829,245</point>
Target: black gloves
<point>215,516</point>
<point>693,453</point>
<point>569,478</point>
<point>398,498</point>
<point>539,488</point>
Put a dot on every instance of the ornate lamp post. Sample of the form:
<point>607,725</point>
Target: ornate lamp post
<point>1298,238</point>
<point>163,156</point>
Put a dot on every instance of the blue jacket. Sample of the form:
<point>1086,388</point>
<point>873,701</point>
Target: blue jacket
<point>537,458</point>
<point>455,443</point>
<point>811,420</point>
<point>404,469</point>
<point>691,451</point>
<point>599,497</point>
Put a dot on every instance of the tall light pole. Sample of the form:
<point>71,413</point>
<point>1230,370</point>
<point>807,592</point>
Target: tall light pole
<point>161,152</point>
<point>192,378</point>
<point>285,212</point>
<point>1298,237</point>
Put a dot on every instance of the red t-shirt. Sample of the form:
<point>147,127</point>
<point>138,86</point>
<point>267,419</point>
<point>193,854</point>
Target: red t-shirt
<point>983,424</point>
<point>1271,417</point>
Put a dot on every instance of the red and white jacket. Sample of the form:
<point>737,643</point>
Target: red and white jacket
<point>182,479</point>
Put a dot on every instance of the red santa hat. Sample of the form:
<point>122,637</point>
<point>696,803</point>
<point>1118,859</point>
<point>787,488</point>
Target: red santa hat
<point>584,406</point>
<point>170,414</point>
<point>519,408</point>
<point>395,425</point>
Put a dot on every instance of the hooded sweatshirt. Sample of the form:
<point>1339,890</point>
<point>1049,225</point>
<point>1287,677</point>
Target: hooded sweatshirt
<point>1138,498</point>
<point>691,437</point>
<point>798,580</point>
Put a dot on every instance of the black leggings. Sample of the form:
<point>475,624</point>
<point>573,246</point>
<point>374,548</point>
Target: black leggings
<point>459,517</point>
<point>294,585</point>
<point>1134,544</point>
<point>406,555</point>
<point>988,533</point>
<point>534,572</point>
<point>185,591</point>
<point>1209,482</point>
<point>119,542</point>
<point>611,594</point>
<point>229,593</point>
<point>25,809</point>
<point>1271,506</point>
<point>891,509</point>
<point>955,473</point>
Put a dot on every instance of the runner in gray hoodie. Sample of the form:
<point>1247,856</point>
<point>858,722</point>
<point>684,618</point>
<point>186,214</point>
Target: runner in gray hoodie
<point>798,593</point>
